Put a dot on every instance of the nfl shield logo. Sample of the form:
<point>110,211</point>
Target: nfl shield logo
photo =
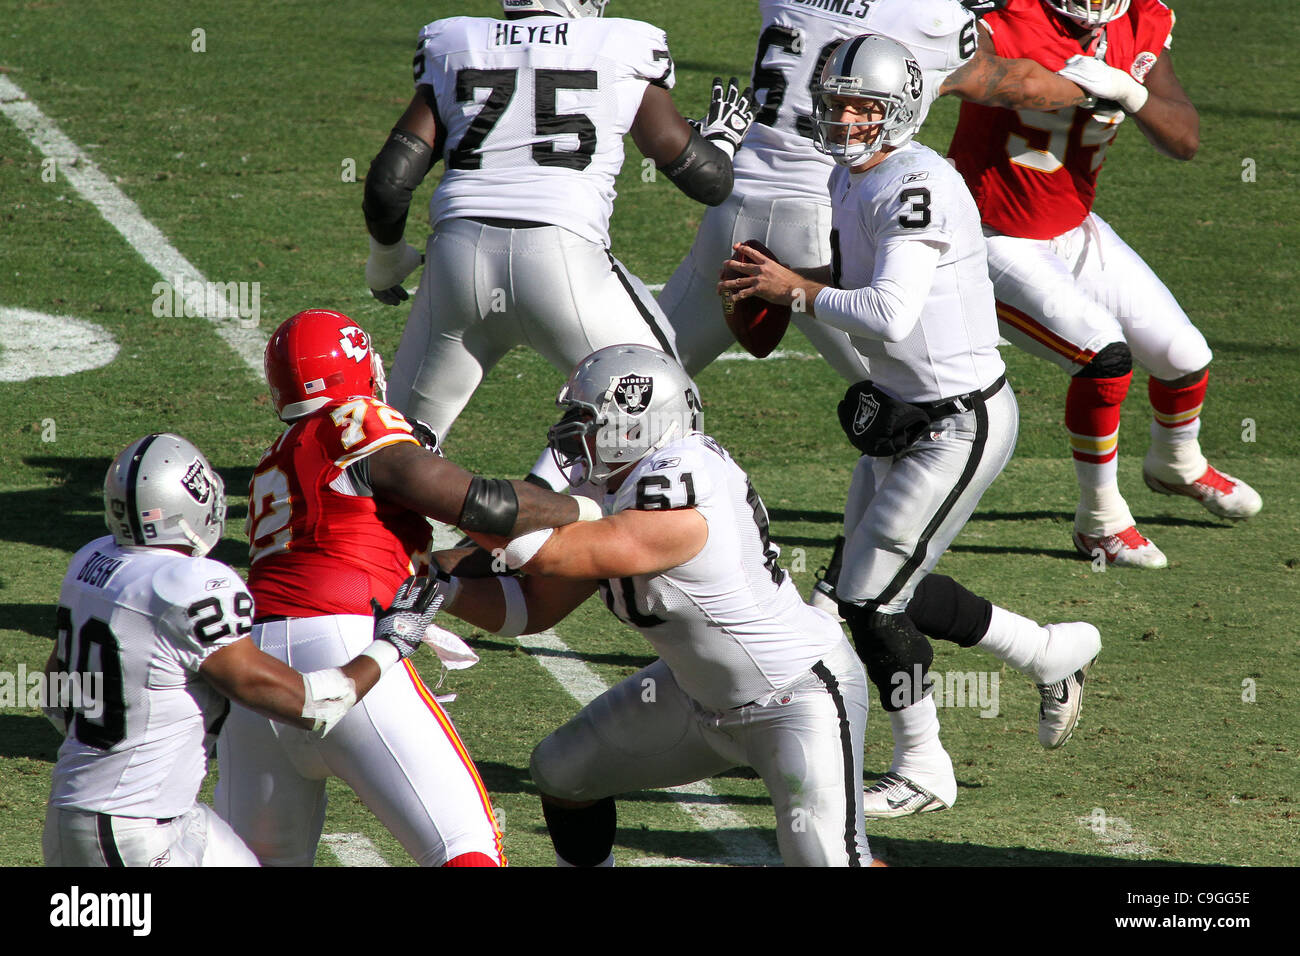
<point>632,393</point>
<point>196,482</point>
<point>867,408</point>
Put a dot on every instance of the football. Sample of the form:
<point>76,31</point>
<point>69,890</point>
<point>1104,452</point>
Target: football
<point>758,325</point>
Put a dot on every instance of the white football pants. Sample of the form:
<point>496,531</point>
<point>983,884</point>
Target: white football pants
<point>1065,299</point>
<point>806,744</point>
<point>396,749</point>
<point>198,837</point>
<point>486,289</point>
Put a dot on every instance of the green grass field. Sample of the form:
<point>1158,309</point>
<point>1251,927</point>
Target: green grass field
<point>1187,751</point>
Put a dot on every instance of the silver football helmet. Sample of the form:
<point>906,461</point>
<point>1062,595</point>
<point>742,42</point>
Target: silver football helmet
<point>1090,13</point>
<point>161,491</point>
<point>622,403</point>
<point>868,67</point>
<point>565,8</point>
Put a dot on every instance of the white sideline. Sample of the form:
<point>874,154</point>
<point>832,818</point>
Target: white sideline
<point>122,214</point>
<point>699,800</point>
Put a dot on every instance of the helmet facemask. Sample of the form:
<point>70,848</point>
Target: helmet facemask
<point>1090,13</point>
<point>835,138</point>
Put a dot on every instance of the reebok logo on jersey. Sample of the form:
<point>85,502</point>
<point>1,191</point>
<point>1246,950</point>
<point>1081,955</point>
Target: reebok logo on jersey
<point>666,463</point>
<point>915,177</point>
<point>216,584</point>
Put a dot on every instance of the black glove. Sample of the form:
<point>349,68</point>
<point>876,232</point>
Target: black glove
<point>878,424</point>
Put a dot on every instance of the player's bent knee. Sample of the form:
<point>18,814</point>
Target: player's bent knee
<point>547,766</point>
<point>1186,354</point>
<point>1113,361</point>
<point>894,653</point>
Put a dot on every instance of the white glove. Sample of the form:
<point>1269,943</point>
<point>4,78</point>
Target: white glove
<point>730,114</point>
<point>388,267</point>
<point>1105,82</point>
<point>414,607</point>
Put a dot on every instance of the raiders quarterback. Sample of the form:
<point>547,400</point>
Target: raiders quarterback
<point>167,629</point>
<point>1068,288</point>
<point>780,191</point>
<point>937,423</point>
<point>336,519</point>
<point>528,115</point>
<point>747,675</point>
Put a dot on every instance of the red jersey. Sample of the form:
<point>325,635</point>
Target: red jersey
<point>1033,173</point>
<point>318,544</point>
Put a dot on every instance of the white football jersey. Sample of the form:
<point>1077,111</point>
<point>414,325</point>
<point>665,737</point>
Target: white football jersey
<point>914,194</point>
<point>146,619</point>
<point>534,112</point>
<point>729,622</point>
<point>778,159</point>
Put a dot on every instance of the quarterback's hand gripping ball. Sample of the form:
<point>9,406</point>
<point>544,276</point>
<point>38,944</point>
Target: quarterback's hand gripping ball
<point>757,324</point>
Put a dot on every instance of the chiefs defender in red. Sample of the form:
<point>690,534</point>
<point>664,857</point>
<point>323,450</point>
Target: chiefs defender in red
<point>1067,286</point>
<point>336,517</point>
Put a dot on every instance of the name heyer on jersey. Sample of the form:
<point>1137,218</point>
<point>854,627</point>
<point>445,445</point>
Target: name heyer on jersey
<point>509,33</point>
<point>845,8</point>
<point>75,908</point>
<point>80,692</point>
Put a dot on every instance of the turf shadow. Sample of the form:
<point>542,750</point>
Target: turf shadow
<point>27,736</point>
<point>34,619</point>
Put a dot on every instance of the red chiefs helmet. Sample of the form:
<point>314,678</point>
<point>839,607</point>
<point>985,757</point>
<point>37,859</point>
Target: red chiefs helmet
<point>317,357</point>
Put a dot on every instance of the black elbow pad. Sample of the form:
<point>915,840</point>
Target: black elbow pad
<point>491,506</point>
<point>702,171</point>
<point>394,175</point>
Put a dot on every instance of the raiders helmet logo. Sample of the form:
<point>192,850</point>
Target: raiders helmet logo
<point>632,393</point>
<point>196,482</point>
<point>354,343</point>
<point>913,79</point>
<point>867,409</point>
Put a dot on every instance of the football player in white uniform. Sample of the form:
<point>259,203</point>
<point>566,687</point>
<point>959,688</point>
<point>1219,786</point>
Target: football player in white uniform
<point>163,630</point>
<point>909,282</point>
<point>528,115</point>
<point>780,192</point>
<point>748,674</point>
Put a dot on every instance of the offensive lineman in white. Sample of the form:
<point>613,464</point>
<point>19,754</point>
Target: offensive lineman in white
<point>909,281</point>
<point>748,674</point>
<point>529,115</point>
<point>168,630</point>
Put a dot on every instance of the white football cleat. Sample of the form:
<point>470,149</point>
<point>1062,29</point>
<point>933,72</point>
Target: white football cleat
<point>1221,494</point>
<point>1062,702</point>
<point>1069,646</point>
<point>896,796</point>
<point>1125,549</point>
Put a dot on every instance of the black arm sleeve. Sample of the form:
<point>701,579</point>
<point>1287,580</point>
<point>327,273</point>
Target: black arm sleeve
<point>394,174</point>
<point>702,171</point>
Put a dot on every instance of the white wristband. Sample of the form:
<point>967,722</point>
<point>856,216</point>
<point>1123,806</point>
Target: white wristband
<point>588,508</point>
<point>327,695</point>
<point>382,653</point>
<point>516,608</point>
<point>524,548</point>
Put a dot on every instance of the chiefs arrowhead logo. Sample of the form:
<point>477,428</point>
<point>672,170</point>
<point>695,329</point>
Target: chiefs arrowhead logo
<point>354,343</point>
<point>866,414</point>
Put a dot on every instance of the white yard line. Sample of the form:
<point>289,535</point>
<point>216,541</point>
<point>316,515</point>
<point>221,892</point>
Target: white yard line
<point>353,849</point>
<point>85,176</point>
<point>1116,834</point>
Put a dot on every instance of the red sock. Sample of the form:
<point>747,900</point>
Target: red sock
<point>472,859</point>
<point>1177,407</point>
<point>1092,417</point>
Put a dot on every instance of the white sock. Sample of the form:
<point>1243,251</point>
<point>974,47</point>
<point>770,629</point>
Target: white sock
<point>1175,454</point>
<point>1015,639</point>
<point>548,471</point>
<point>1102,509</point>
<point>918,754</point>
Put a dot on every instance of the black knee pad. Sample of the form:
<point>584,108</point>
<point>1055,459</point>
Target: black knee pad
<point>944,610</point>
<point>896,655</point>
<point>1114,361</point>
<point>584,836</point>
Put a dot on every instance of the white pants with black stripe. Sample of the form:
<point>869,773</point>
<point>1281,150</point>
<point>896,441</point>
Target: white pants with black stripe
<point>903,512</point>
<point>806,744</point>
<point>198,837</point>
<point>486,290</point>
<point>798,233</point>
<point>396,749</point>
